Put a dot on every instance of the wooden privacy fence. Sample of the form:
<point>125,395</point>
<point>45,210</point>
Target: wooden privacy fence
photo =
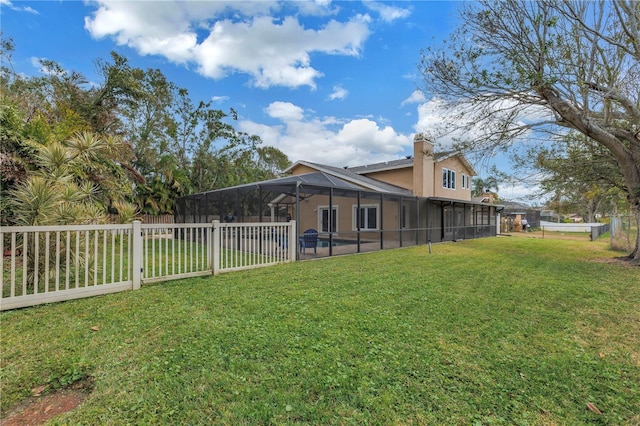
<point>43,264</point>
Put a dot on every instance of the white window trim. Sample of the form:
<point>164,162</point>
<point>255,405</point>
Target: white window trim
<point>466,181</point>
<point>354,216</point>
<point>320,208</point>
<point>451,183</point>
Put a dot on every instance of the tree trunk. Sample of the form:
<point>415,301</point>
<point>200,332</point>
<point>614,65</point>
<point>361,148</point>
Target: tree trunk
<point>634,257</point>
<point>591,207</point>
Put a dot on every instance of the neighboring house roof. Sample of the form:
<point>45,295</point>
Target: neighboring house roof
<point>483,199</point>
<point>515,206</point>
<point>354,178</point>
<point>471,202</point>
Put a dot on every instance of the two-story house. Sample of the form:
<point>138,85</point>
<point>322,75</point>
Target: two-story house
<point>415,200</point>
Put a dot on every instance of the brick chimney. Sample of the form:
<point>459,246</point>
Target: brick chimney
<point>423,166</point>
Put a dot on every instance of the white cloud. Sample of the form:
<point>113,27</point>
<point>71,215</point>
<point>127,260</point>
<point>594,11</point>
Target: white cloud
<point>415,98</point>
<point>285,111</point>
<point>432,120</point>
<point>10,5</point>
<point>316,7</point>
<point>35,62</point>
<point>387,13</point>
<point>521,192</point>
<point>366,134</point>
<point>219,99</point>
<point>338,93</point>
<point>44,69</point>
<point>448,124</point>
<point>328,140</point>
<point>226,37</point>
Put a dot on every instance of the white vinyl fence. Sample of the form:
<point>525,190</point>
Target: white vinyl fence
<point>595,229</point>
<point>43,264</point>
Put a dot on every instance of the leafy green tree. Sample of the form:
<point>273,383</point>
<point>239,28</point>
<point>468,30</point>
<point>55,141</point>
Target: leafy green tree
<point>134,136</point>
<point>584,177</point>
<point>146,124</point>
<point>182,146</point>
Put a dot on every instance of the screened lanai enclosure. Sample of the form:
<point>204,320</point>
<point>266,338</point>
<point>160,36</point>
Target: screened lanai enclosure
<point>347,218</point>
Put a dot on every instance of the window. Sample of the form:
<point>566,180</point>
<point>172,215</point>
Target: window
<point>367,217</point>
<point>448,179</point>
<point>466,181</point>
<point>323,218</point>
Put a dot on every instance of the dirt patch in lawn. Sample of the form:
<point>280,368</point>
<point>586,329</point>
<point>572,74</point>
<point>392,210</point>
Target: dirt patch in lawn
<point>618,261</point>
<point>553,235</point>
<point>39,409</point>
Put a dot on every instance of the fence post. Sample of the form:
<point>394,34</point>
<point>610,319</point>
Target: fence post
<point>293,241</point>
<point>215,248</point>
<point>210,247</point>
<point>136,253</point>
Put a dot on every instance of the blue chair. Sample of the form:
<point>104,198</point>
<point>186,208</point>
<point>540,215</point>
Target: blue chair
<point>309,240</point>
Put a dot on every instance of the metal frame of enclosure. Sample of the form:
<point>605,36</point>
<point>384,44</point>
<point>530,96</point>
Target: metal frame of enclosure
<point>401,220</point>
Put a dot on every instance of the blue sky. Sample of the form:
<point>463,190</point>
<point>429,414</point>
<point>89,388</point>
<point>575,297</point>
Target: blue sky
<point>334,82</point>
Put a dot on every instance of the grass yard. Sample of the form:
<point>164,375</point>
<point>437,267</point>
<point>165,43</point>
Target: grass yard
<point>513,331</point>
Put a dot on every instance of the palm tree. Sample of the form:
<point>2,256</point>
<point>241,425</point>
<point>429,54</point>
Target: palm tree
<point>483,186</point>
<point>70,185</point>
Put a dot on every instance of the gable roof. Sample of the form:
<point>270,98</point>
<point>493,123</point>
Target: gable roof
<point>385,165</point>
<point>354,178</point>
<point>315,178</point>
<point>456,154</point>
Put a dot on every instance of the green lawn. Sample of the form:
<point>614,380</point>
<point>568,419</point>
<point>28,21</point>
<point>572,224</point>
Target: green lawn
<point>513,331</point>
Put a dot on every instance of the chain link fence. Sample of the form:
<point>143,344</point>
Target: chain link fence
<point>623,232</point>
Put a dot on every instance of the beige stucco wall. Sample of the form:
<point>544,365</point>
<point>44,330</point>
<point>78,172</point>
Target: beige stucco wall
<point>301,169</point>
<point>311,218</point>
<point>456,165</point>
<point>399,177</point>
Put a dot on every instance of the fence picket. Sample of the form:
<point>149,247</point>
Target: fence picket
<point>57,287</point>
<point>36,259</point>
<point>128,255</point>
<point>13,265</point>
<point>25,265</point>
<point>67,260</point>
<point>46,261</point>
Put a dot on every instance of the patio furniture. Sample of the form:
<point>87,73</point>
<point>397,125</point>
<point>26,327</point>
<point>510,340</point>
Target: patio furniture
<point>309,240</point>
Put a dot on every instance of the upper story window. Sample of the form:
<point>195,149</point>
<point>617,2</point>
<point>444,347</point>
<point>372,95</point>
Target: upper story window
<point>448,179</point>
<point>466,181</point>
